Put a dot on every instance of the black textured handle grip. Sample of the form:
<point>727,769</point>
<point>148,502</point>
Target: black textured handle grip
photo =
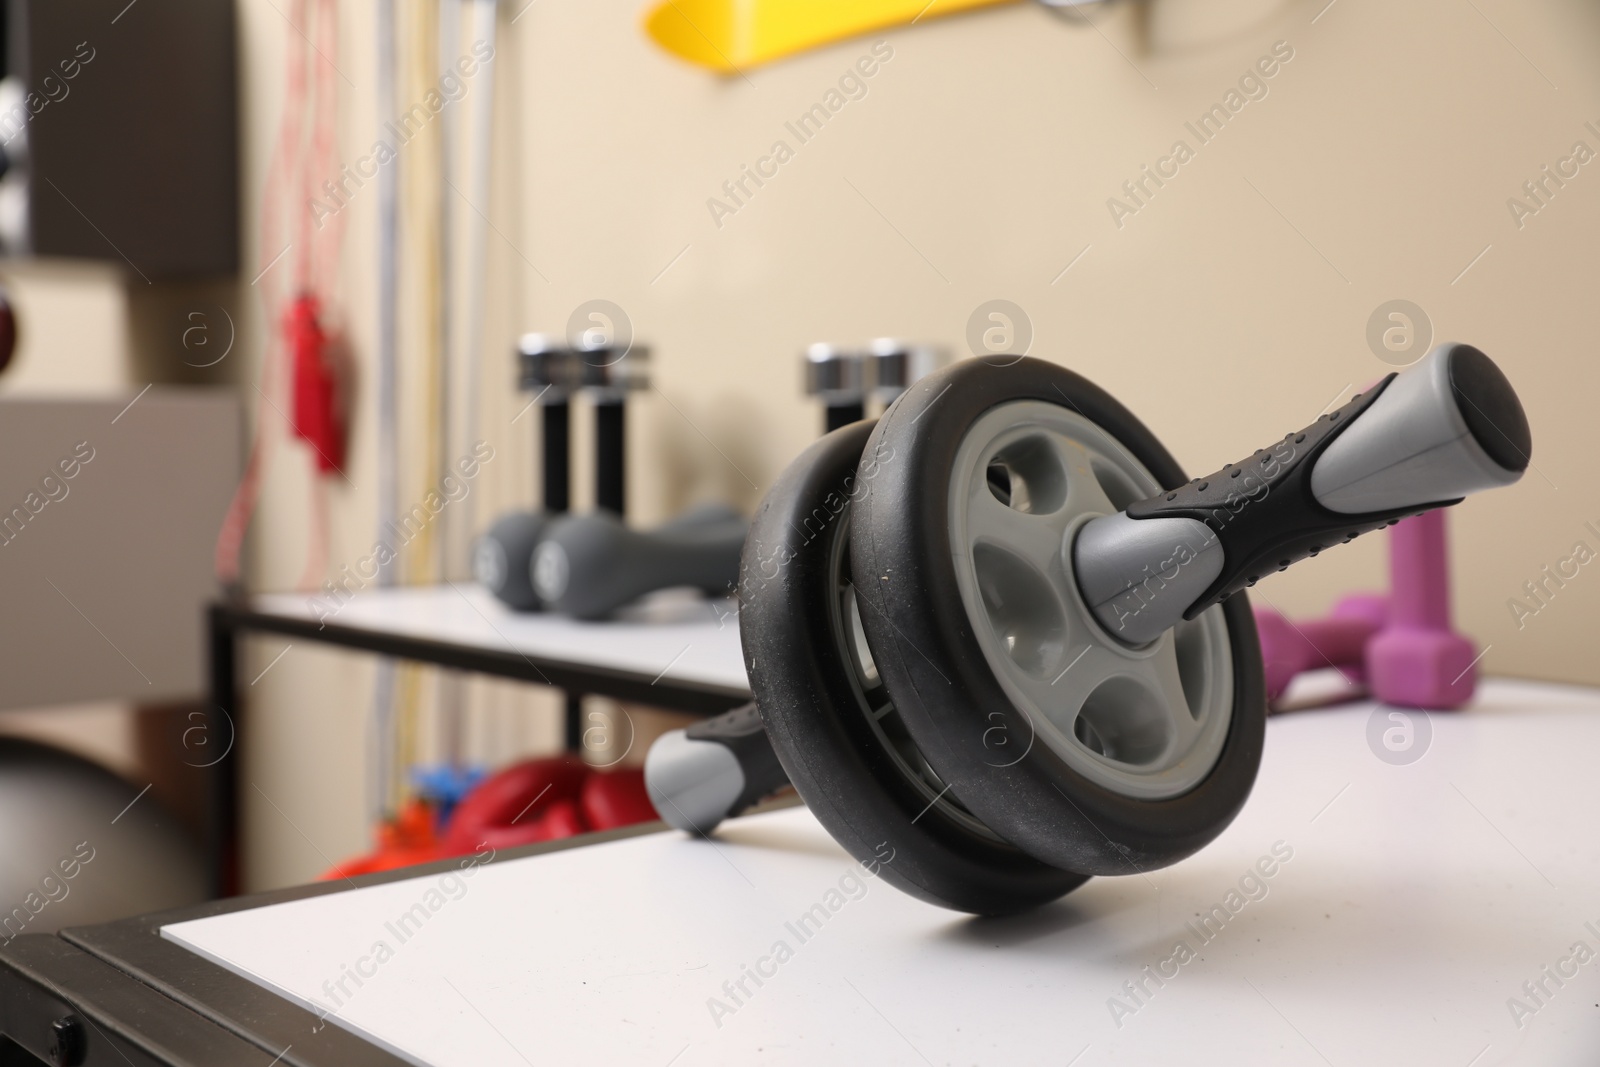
<point>1262,509</point>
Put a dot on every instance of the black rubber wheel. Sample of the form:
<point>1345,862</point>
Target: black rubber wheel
<point>828,716</point>
<point>950,698</point>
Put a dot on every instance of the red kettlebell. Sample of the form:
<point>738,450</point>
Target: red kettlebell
<point>616,798</point>
<point>536,800</point>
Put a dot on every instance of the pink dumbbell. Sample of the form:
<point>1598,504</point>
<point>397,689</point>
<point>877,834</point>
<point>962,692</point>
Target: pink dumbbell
<point>1402,645</point>
<point>1417,660</point>
<point>1340,640</point>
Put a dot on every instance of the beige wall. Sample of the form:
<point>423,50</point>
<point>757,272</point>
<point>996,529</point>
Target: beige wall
<point>73,328</point>
<point>1231,308</point>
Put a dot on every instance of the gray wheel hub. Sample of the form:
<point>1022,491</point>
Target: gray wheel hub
<point>1147,722</point>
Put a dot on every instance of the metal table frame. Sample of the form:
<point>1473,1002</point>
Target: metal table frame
<point>226,622</point>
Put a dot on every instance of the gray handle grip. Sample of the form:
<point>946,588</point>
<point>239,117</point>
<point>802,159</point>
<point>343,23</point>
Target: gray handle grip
<point>589,565</point>
<point>712,771</point>
<point>1449,426</point>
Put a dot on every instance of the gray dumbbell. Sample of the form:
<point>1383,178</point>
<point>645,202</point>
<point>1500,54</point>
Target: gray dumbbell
<point>502,558</point>
<point>587,566</point>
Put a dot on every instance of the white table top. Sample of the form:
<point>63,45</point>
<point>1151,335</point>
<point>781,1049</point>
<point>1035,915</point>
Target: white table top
<point>689,638</point>
<point>1418,899</point>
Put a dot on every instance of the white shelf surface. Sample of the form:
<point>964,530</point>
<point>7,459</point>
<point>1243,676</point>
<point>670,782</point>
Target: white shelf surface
<point>684,638</point>
<point>1418,899</point>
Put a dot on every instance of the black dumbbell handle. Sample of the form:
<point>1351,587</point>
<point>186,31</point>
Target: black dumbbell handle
<point>610,456</point>
<point>555,420</point>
